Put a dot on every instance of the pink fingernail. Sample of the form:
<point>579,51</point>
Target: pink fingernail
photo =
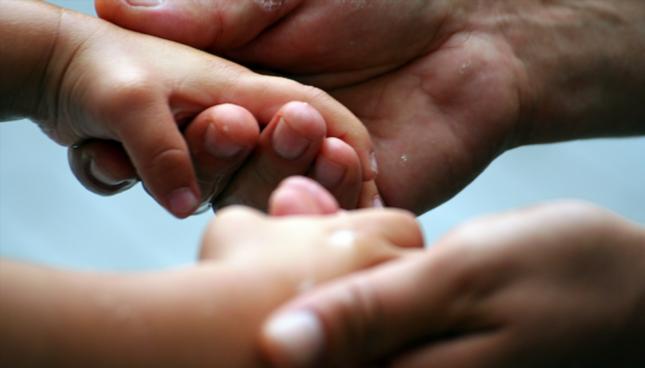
<point>298,336</point>
<point>220,147</point>
<point>182,201</point>
<point>287,142</point>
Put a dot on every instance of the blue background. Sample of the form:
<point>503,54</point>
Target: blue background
<point>46,216</point>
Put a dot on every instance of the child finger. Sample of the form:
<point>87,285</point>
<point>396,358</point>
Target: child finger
<point>160,156</point>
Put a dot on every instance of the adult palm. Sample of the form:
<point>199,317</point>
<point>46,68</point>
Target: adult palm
<point>439,90</point>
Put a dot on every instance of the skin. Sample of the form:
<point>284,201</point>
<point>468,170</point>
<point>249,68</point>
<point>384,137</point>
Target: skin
<point>491,77</point>
<point>443,87</point>
<point>86,79</point>
<point>558,285</point>
<point>54,317</point>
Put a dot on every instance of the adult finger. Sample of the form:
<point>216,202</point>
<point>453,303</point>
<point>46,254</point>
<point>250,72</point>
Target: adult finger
<point>220,139</point>
<point>102,166</point>
<point>288,146</point>
<point>359,319</point>
<point>338,169</point>
<point>370,196</point>
<point>205,24</point>
<point>263,96</point>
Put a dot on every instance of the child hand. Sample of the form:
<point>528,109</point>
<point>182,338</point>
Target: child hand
<point>139,91</point>
<point>208,314</point>
<point>307,250</point>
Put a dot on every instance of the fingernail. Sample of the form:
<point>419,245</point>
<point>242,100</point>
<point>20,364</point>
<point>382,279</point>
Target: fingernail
<point>287,142</point>
<point>329,173</point>
<point>298,336</point>
<point>144,2</point>
<point>374,163</point>
<point>100,175</point>
<point>377,202</point>
<point>220,147</point>
<point>182,201</point>
<point>104,181</point>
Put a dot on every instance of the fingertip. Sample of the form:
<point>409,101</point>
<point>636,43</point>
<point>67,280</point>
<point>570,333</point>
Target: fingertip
<point>293,339</point>
<point>182,202</point>
<point>338,169</point>
<point>172,181</point>
<point>222,132</point>
<point>301,196</point>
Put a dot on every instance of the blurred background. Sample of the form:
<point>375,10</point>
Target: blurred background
<point>47,216</point>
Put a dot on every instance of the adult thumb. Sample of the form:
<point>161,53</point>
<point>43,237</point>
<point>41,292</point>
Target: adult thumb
<point>211,25</point>
<point>359,320</point>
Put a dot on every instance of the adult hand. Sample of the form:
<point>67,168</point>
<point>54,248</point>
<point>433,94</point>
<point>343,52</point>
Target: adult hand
<point>552,286</point>
<point>235,163</point>
<point>442,86</point>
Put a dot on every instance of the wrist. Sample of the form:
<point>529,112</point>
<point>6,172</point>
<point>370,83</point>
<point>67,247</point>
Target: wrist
<point>584,66</point>
<point>28,34</point>
<point>74,31</point>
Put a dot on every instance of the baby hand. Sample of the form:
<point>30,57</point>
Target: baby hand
<point>304,251</point>
<point>139,92</point>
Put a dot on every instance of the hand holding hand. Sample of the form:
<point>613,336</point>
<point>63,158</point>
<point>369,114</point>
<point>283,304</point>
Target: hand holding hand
<point>555,285</point>
<point>444,87</point>
<point>109,84</point>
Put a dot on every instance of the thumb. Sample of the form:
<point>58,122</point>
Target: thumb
<point>160,156</point>
<point>362,319</point>
<point>207,24</point>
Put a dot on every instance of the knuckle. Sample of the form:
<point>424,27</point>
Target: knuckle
<point>125,91</point>
<point>359,312</point>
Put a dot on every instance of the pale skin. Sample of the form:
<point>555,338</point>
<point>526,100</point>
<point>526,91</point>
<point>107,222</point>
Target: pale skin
<point>207,314</point>
<point>128,96</point>
<point>443,87</point>
<point>556,285</point>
